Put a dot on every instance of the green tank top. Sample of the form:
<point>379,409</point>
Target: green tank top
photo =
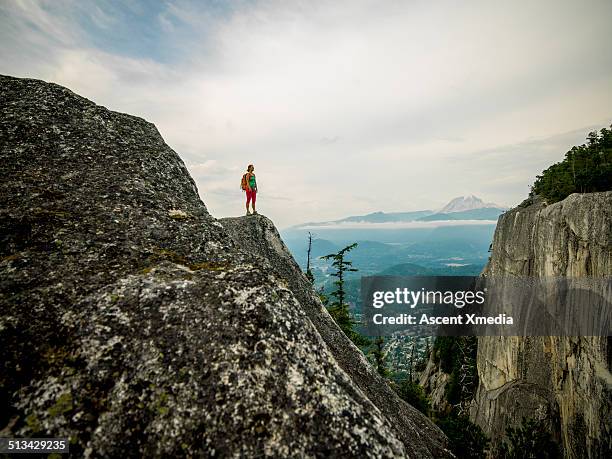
<point>252,183</point>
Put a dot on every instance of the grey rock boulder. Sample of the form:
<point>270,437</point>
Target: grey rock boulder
<point>131,321</point>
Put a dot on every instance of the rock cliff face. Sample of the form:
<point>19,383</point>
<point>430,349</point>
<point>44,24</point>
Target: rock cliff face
<point>133,323</point>
<point>434,382</point>
<point>565,382</point>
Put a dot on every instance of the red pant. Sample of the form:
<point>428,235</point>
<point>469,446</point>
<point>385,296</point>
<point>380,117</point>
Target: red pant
<point>251,194</point>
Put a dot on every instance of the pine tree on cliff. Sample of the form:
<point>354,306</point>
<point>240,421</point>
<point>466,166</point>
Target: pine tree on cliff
<point>378,353</point>
<point>338,308</point>
<point>309,273</point>
<point>586,169</point>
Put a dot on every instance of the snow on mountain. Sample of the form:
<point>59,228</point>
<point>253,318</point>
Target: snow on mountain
<point>470,202</point>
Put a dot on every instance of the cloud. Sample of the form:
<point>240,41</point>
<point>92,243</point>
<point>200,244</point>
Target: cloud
<point>329,140</point>
<point>344,107</point>
<point>397,225</point>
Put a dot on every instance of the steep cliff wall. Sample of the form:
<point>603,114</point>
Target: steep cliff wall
<point>132,323</point>
<point>563,382</point>
<point>434,382</point>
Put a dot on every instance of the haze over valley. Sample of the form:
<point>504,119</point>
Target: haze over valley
<point>453,240</point>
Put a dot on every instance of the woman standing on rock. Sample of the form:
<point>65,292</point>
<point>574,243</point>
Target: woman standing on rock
<point>249,184</point>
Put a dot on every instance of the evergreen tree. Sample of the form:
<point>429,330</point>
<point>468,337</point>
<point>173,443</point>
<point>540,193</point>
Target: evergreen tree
<point>412,365</point>
<point>338,308</point>
<point>530,440</point>
<point>309,273</point>
<point>457,357</point>
<point>466,439</point>
<point>379,356</point>
<point>414,394</point>
<point>585,169</point>
<point>424,359</point>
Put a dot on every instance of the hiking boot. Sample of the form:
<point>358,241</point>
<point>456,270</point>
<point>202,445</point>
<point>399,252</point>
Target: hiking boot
<point>254,213</point>
<point>248,213</point>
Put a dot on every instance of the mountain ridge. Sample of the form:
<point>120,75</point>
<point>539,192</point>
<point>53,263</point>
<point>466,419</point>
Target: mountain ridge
<point>460,208</point>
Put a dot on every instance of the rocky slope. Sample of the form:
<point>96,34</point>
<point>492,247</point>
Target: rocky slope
<point>131,321</point>
<point>257,235</point>
<point>565,382</point>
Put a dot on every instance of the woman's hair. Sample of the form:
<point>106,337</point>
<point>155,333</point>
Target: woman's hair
<point>249,167</point>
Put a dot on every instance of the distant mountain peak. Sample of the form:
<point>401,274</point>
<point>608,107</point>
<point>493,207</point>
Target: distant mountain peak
<point>470,202</point>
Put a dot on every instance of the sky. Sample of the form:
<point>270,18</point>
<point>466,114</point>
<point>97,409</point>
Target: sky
<point>344,107</point>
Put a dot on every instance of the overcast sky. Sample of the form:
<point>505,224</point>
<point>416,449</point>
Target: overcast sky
<point>344,107</point>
